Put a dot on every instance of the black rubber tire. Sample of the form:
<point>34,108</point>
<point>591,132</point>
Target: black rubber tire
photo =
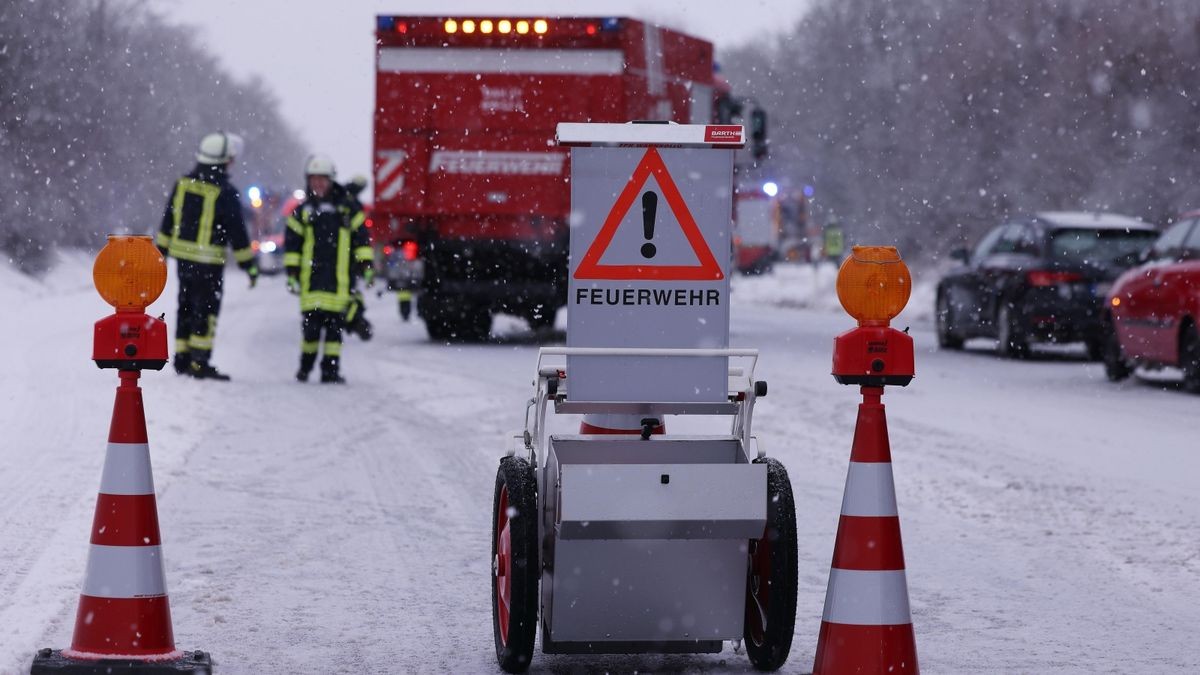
<point>1012,342</point>
<point>1116,366</point>
<point>945,331</point>
<point>1096,348</point>
<point>453,320</point>
<point>541,319</point>
<point>768,645</point>
<point>1189,358</point>
<point>516,479</point>
<point>474,325</point>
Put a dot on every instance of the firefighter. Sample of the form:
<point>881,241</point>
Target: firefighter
<point>203,216</point>
<point>325,250</point>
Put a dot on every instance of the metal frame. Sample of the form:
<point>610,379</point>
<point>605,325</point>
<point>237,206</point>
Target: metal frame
<point>550,385</point>
<point>535,443</point>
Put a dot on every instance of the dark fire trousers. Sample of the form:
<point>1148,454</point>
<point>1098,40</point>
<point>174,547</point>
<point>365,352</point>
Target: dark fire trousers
<point>200,289</point>
<point>313,324</point>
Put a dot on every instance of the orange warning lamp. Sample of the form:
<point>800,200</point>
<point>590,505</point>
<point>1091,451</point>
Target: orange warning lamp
<point>130,274</point>
<point>873,286</point>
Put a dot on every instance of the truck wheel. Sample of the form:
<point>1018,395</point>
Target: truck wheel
<point>515,570</point>
<point>438,327</point>
<point>541,318</point>
<point>1189,359</point>
<point>474,325</point>
<point>771,578</point>
<point>945,329</point>
<point>1013,343</point>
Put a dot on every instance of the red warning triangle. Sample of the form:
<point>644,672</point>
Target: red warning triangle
<point>707,270</point>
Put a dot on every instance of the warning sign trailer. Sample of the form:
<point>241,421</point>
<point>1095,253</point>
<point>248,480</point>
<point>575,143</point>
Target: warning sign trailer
<point>645,542</point>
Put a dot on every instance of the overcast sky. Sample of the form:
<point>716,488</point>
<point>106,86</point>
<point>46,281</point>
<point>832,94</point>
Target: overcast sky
<point>317,56</point>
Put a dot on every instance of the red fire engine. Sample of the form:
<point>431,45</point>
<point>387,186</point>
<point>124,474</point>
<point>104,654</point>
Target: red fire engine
<point>465,161</point>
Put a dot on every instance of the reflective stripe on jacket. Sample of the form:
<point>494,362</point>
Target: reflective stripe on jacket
<point>326,247</point>
<point>203,216</point>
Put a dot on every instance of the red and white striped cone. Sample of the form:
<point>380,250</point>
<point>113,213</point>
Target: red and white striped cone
<point>616,423</point>
<point>867,626</point>
<point>123,608</point>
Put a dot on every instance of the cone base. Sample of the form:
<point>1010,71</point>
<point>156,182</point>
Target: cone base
<point>866,650</point>
<point>53,662</point>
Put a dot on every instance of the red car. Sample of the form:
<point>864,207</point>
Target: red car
<point>1154,309</point>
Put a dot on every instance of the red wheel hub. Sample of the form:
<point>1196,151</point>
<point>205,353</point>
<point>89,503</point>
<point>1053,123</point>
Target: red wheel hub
<point>758,590</point>
<point>502,565</point>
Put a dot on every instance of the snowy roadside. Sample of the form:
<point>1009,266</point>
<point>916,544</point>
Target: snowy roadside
<point>804,286</point>
<point>1047,514</point>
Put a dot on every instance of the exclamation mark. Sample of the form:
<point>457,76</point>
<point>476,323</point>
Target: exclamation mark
<point>649,208</point>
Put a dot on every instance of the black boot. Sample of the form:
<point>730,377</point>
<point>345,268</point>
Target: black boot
<point>307,361</point>
<point>329,371</point>
<point>201,370</point>
<point>182,363</point>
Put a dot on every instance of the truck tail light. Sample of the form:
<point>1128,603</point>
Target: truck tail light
<point>1043,278</point>
<point>451,26</point>
<point>410,250</point>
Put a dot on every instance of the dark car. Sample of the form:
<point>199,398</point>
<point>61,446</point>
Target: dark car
<point>1043,278</point>
<point>1155,308</point>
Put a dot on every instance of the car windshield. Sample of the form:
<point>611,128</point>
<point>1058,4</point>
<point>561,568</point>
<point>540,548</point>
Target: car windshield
<point>1085,245</point>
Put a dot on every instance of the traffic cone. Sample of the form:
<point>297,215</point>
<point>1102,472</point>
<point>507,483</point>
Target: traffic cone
<point>867,626</point>
<point>618,423</point>
<point>124,616</point>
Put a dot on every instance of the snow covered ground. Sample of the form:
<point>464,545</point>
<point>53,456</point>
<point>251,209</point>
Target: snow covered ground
<point>1050,518</point>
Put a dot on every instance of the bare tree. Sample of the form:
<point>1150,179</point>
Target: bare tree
<point>920,122</point>
<point>101,106</point>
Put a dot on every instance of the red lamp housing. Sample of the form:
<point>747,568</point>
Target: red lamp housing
<point>130,341</point>
<point>873,356</point>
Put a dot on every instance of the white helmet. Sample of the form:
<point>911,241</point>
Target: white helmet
<point>320,165</point>
<point>219,148</point>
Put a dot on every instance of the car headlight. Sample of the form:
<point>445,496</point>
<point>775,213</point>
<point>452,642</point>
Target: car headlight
<point>267,247</point>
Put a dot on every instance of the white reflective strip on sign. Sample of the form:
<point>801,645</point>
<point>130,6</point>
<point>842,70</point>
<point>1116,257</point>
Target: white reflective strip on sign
<point>869,490</point>
<point>391,180</point>
<point>506,163</point>
<point>652,49</point>
<point>124,572</point>
<point>867,598</point>
<point>127,470</point>
<point>721,136</point>
<point>509,61</point>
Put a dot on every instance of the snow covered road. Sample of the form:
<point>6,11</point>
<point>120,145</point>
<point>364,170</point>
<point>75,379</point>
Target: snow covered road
<point>1050,519</point>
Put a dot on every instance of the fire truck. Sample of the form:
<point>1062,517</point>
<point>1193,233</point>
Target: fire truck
<point>470,186</point>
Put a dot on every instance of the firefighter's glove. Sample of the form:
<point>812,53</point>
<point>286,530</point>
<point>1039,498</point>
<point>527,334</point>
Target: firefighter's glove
<point>293,285</point>
<point>253,272</point>
<point>369,277</point>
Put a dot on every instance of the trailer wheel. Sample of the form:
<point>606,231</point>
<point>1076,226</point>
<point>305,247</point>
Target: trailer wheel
<point>515,570</point>
<point>771,579</point>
